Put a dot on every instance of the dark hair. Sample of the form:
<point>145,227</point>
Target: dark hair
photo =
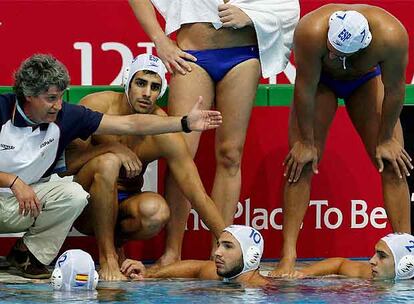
<point>37,74</point>
<point>149,72</point>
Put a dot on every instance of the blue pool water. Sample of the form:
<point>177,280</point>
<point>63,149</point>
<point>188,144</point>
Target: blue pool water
<point>326,290</point>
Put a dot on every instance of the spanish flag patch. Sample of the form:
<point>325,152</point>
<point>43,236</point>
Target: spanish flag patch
<point>81,278</point>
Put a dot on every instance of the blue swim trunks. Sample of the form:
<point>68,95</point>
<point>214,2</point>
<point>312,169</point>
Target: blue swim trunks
<point>345,88</point>
<point>123,195</point>
<point>217,62</point>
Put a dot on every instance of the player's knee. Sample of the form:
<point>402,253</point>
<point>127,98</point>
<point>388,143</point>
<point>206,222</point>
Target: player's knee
<point>76,196</point>
<point>307,169</point>
<point>229,157</point>
<point>390,176</point>
<point>154,212</point>
<point>306,174</point>
<point>107,169</point>
<point>108,164</point>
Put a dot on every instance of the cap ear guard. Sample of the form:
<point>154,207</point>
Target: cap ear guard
<point>405,268</point>
<point>56,280</point>
<point>367,40</point>
<point>125,76</point>
<point>252,257</point>
<point>95,279</point>
<point>163,88</point>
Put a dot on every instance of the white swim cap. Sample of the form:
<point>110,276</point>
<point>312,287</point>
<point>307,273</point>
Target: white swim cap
<point>402,248</point>
<point>251,243</point>
<point>145,62</point>
<point>74,270</point>
<point>348,31</point>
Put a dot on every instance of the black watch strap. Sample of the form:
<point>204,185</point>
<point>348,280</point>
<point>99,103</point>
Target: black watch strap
<point>184,124</point>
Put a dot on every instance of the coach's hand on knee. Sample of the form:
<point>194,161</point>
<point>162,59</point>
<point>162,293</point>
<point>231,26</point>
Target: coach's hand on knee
<point>392,151</point>
<point>26,197</point>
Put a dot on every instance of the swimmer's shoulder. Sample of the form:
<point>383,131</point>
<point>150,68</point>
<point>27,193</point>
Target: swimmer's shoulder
<point>102,102</point>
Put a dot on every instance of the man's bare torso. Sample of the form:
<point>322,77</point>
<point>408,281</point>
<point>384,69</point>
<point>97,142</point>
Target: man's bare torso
<point>143,146</point>
<point>200,36</point>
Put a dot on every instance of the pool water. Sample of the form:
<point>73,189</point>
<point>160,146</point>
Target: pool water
<point>321,290</point>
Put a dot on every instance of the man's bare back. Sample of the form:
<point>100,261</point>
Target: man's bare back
<point>389,35</point>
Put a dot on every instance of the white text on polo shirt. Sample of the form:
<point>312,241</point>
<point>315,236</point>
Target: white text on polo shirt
<point>45,143</point>
<point>6,147</point>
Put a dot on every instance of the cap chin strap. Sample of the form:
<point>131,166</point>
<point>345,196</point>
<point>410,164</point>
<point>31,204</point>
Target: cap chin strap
<point>125,76</point>
<point>343,62</point>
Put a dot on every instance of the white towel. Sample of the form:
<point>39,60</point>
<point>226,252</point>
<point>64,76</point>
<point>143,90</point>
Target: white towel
<point>177,12</point>
<point>274,22</point>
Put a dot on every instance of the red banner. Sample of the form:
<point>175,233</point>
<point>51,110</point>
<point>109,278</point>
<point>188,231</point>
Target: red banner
<point>95,39</point>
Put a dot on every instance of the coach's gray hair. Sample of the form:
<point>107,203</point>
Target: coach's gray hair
<point>37,74</point>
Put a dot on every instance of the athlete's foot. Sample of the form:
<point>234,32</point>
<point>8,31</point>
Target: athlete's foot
<point>285,268</point>
<point>167,258</point>
<point>109,270</point>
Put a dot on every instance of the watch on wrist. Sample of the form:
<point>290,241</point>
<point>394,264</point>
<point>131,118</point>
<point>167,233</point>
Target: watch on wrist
<point>184,124</point>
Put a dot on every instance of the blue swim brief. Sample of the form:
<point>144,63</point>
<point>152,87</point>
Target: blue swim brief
<point>345,88</point>
<point>123,195</point>
<point>217,62</point>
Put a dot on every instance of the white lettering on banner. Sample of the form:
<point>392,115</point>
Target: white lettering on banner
<point>326,218</point>
<point>331,218</point>
<point>86,61</point>
<point>122,49</point>
<point>318,220</point>
<point>127,56</point>
<point>318,205</point>
<point>273,218</point>
<point>149,46</point>
<point>378,213</point>
<point>264,219</point>
<point>357,213</point>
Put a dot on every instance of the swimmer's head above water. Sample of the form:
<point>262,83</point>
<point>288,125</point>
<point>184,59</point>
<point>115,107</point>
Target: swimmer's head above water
<point>240,249</point>
<point>394,257</point>
<point>74,271</point>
